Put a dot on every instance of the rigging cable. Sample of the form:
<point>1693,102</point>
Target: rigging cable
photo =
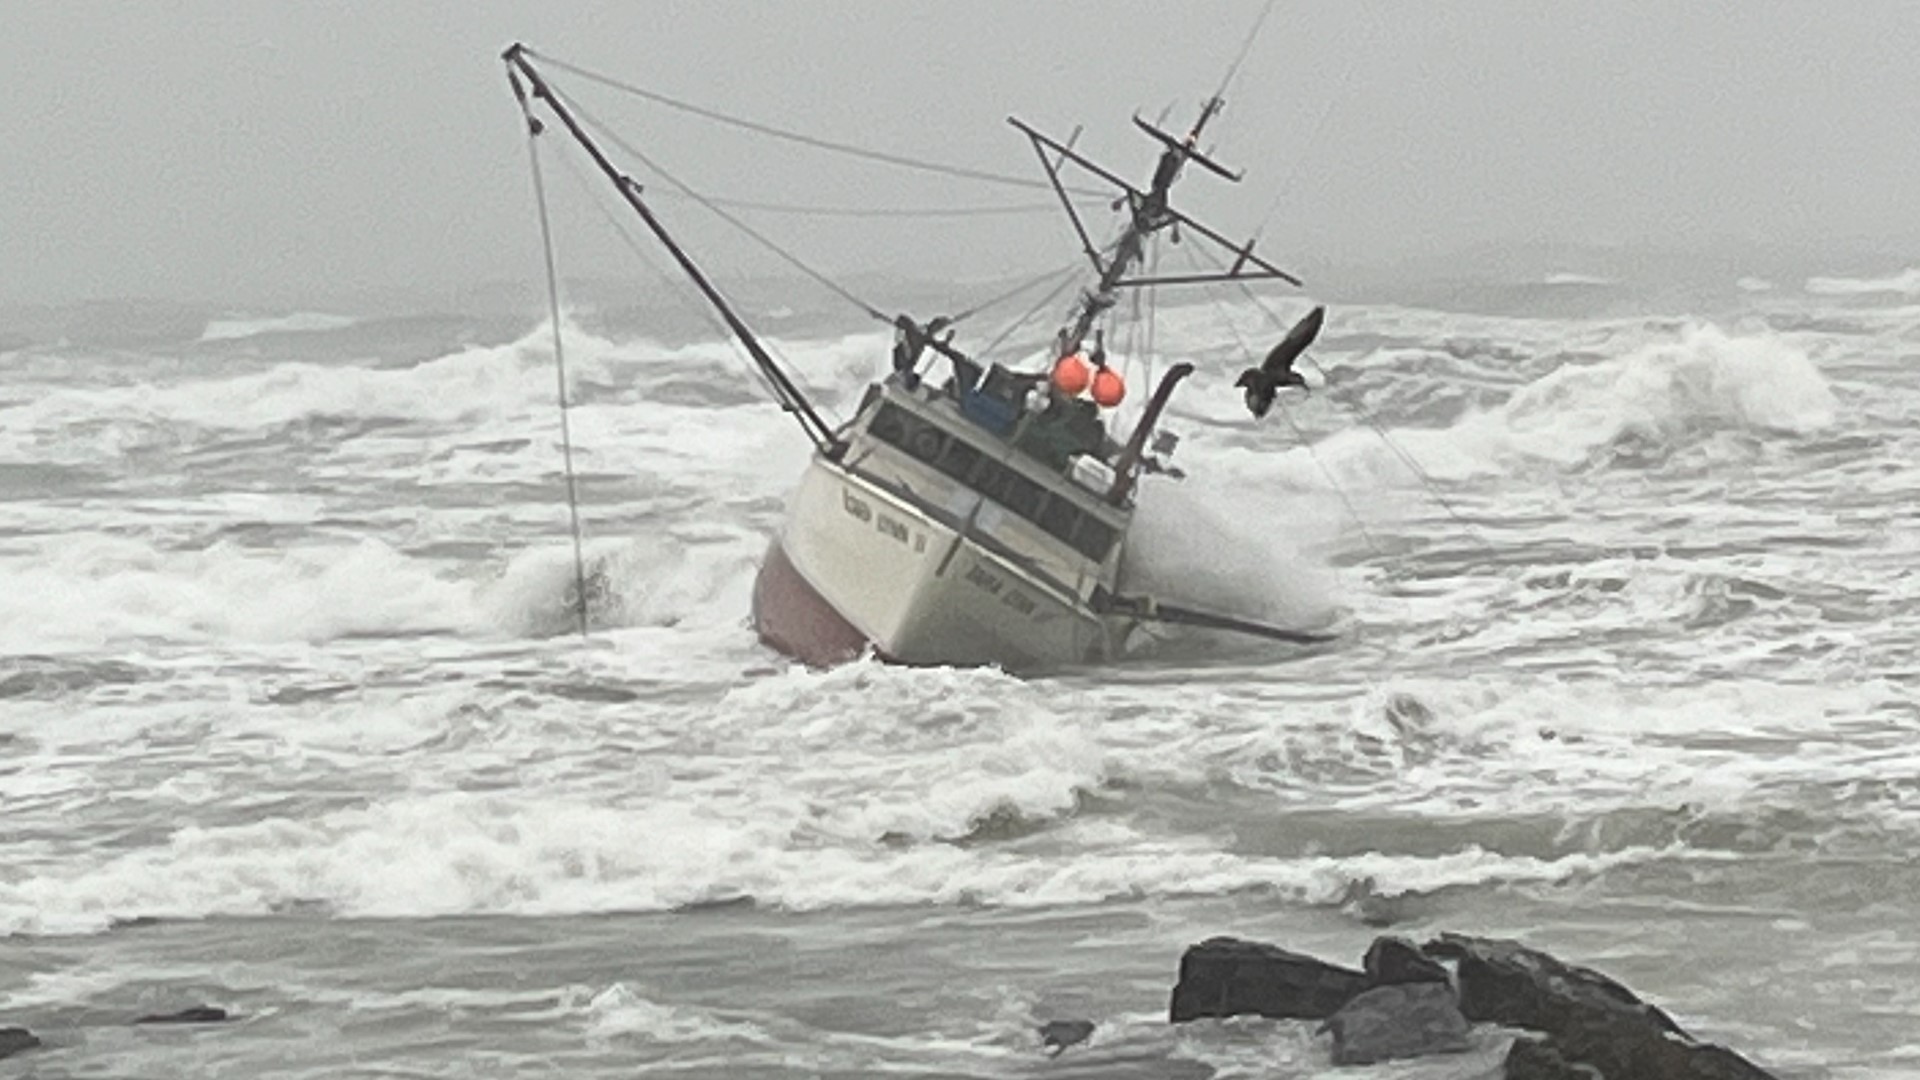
<point>1226,319</point>
<point>814,210</point>
<point>881,156</point>
<point>674,284</point>
<point>1245,47</point>
<point>589,120</point>
<point>1067,277</point>
<point>1153,305</point>
<point>1319,128</point>
<point>639,251</point>
<point>1131,344</point>
<point>534,129</point>
<point>788,257</point>
<point>714,205</point>
<point>1153,309</point>
<point>1035,283</point>
<point>1355,406</point>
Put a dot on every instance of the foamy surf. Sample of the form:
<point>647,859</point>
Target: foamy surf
<point>1658,398</point>
<point>300,322</point>
<point>1905,283</point>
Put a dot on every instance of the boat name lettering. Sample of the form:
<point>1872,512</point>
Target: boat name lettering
<point>891,527</point>
<point>979,577</point>
<point>1018,601</point>
<point>856,506</point>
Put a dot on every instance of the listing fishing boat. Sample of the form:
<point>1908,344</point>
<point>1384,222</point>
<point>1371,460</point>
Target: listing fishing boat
<point>971,512</point>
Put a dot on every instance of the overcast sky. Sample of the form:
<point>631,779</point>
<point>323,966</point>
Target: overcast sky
<point>240,151</point>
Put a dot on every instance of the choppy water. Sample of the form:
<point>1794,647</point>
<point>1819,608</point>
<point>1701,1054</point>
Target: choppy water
<point>290,724</point>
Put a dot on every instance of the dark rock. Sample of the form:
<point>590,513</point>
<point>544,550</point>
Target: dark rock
<point>1617,1049</point>
<point>1057,1035</point>
<point>15,1041</point>
<point>1230,977</point>
<point>199,1014</point>
<point>1589,1019</point>
<point>1393,960</point>
<point>136,922</point>
<point>1539,1059</point>
<point>1507,983</point>
<point>1402,1021</point>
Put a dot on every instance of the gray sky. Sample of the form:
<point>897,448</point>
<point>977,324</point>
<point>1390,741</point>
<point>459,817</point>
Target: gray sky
<point>271,150</point>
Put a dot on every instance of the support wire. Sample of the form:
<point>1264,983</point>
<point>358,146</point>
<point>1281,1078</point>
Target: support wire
<point>559,366</point>
<point>808,140</point>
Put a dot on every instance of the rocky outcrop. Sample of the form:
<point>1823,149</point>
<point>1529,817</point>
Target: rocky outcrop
<point>1507,983</point>
<point>1534,1058</point>
<point>15,1040</point>
<point>1391,961</point>
<point>1399,1021</point>
<point>1579,1024</point>
<point>1589,1020</point>
<point>199,1014</point>
<point>1229,977</point>
<point>1057,1035</point>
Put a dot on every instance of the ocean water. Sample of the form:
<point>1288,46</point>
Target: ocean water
<point>292,723</point>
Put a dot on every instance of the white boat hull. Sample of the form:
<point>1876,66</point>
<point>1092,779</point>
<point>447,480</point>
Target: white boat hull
<point>859,567</point>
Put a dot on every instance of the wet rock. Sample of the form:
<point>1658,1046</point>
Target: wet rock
<point>1507,983</point>
<point>1057,1035</point>
<point>1539,1059</point>
<point>15,1040</point>
<point>1391,961</point>
<point>136,922</point>
<point>1230,977</point>
<point>199,1014</point>
<point>1590,1020</point>
<point>1620,1051</point>
<point>1401,1021</point>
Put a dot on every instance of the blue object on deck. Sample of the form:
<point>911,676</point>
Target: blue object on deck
<point>992,413</point>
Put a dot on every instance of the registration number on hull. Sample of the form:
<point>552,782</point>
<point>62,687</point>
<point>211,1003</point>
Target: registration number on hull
<point>883,523</point>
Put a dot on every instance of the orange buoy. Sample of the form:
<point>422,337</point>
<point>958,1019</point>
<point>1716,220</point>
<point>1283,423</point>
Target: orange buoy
<point>1108,388</point>
<point>1071,374</point>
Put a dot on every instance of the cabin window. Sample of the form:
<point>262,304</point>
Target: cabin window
<point>1023,496</point>
<point>1094,538</point>
<point>954,456</point>
<point>889,425</point>
<point>1060,519</point>
<point>959,461</point>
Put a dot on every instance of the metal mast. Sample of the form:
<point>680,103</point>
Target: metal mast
<point>1148,212</point>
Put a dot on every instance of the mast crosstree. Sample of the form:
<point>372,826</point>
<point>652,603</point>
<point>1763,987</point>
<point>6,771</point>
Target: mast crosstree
<point>1148,212</point>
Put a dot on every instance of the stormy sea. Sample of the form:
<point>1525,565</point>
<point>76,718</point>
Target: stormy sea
<point>295,723</point>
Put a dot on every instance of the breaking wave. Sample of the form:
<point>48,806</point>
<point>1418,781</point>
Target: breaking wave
<point>106,591</point>
<point>1568,278</point>
<point>1238,552</point>
<point>508,384</point>
<point>300,322</point>
<point>1906,283</point>
<point>656,580</point>
<point>468,853</point>
<point>1646,404</point>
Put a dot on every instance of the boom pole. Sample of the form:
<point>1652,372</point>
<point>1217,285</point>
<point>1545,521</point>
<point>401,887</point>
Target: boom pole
<point>791,399</point>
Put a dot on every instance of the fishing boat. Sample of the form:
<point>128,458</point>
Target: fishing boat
<point>971,512</point>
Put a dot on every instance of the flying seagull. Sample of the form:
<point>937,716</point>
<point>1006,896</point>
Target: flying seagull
<point>1276,370</point>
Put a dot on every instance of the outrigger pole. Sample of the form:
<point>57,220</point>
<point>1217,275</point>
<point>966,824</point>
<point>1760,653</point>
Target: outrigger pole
<point>790,398</point>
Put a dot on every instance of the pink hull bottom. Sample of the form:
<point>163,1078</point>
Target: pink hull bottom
<point>791,616</point>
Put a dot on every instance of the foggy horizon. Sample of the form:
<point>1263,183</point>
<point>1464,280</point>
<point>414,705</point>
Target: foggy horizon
<point>202,153</point>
